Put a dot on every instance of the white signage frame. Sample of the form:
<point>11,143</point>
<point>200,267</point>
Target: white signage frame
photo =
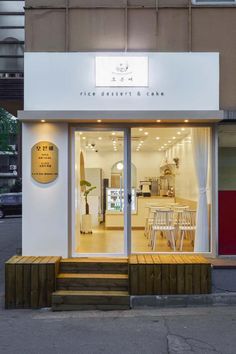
<point>67,82</point>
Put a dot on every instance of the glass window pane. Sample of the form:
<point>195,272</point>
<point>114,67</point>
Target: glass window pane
<point>167,181</point>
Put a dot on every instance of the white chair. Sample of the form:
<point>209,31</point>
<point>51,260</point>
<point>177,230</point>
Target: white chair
<point>149,219</point>
<point>187,225</point>
<point>164,223</point>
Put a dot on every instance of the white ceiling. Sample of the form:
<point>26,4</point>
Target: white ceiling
<point>143,139</point>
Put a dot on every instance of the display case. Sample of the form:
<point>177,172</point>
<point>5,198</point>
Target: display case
<point>115,199</point>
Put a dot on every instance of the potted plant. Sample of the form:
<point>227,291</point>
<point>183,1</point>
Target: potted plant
<point>86,188</point>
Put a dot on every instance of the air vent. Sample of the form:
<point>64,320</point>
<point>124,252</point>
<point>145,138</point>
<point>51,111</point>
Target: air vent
<point>214,2</point>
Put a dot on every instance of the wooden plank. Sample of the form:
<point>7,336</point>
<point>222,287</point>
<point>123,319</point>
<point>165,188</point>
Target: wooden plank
<point>141,275</point>
<point>19,284</point>
<point>165,279</point>
<point>27,281</point>
<point>10,285</point>
<point>180,279</point>
<point>133,279</point>
<point>205,278</point>
<point>51,282</point>
<point>149,275</point>
<point>196,278</point>
<point>42,302</point>
<point>180,275</point>
<point>157,275</point>
<point>34,294</point>
<point>173,278</point>
<point>188,281</point>
<point>156,259</point>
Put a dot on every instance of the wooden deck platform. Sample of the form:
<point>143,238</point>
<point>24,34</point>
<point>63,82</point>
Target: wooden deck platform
<point>169,274</point>
<point>30,281</point>
<point>33,282</point>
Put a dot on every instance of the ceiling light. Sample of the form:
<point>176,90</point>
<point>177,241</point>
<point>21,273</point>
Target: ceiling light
<point>183,129</point>
<point>141,141</point>
<point>99,121</point>
<point>158,121</point>
<point>140,129</point>
<point>80,133</point>
<point>178,133</point>
<point>157,138</point>
<point>186,121</point>
<point>83,137</point>
<point>165,144</point>
<point>145,133</point>
<point>99,138</point>
<point>169,141</point>
<point>174,138</point>
<point>43,120</point>
<point>120,166</point>
<point>113,133</point>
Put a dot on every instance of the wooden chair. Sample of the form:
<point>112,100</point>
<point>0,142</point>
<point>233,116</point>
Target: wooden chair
<point>164,223</point>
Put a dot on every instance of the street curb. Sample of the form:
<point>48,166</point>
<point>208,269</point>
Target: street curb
<point>216,299</point>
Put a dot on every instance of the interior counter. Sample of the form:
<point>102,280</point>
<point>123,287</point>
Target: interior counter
<point>115,219</point>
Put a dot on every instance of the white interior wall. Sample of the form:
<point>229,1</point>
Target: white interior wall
<point>147,163</point>
<point>45,206</point>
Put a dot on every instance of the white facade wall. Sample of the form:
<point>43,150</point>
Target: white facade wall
<point>45,206</point>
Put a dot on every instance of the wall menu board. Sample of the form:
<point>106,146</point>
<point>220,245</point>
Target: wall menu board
<point>44,162</point>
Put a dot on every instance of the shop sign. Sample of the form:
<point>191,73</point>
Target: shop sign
<point>44,162</point>
<point>121,71</point>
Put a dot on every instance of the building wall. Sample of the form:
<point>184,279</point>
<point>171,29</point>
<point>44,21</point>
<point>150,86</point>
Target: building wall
<point>175,26</point>
<point>45,207</point>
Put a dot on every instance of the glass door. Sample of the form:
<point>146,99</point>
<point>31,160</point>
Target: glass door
<point>100,192</point>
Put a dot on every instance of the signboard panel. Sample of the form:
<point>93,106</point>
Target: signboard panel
<point>83,81</point>
<point>44,162</point>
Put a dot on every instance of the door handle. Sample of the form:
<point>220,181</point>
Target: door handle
<point>129,198</point>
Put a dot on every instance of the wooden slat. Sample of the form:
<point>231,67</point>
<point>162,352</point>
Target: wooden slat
<point>20,283</point>
<point>149,275</point>
<point>180,275</point>
<point>42,302</point>
<point>34,296</point>
<point>141,275</point>
<point>188,281</point>
<point>27,281</point>
<point>10,285</point>
<point>205,279</point>
<point>50,282</point>
<point>157,275</point>
<point>173,278</point>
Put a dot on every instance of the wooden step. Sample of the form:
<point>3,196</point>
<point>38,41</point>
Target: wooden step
<point>94,265</point>
<point>78,281</point>
<point>64,300</point>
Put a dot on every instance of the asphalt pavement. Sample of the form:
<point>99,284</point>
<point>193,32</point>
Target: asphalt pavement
<point>203,330</point>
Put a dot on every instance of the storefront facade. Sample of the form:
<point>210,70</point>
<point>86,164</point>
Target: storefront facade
<point>95,85</point>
